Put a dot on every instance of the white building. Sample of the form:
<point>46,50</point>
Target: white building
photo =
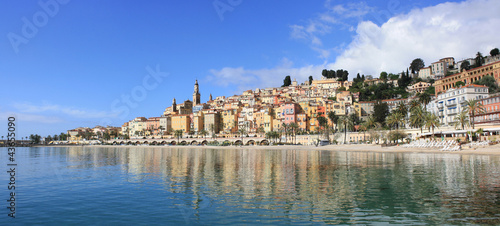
<point>425,73</point>
<point>439,69</point>
<point>449,104</point>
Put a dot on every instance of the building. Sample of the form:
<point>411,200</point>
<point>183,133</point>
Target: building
<point>212,122</point>
<point>425,73</point>
<point>418,87</point>
<point>198,122</point>
<point>181,122</point>
<point>491,112</point>
<point>468,77</point>
<point>289,112</point>
<point>165,125</point>
<point>449,104</point>
<point>196,94</point>
<point>439,69</point>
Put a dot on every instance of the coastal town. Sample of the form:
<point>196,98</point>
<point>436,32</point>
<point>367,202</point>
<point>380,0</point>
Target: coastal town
<point>447,100</point>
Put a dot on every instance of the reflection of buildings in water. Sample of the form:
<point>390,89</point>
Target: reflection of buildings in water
<point>322,180</point>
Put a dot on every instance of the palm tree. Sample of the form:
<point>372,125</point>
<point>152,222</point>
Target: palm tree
<point>371,122</point>
<point>284,128</point>
<point>203,133</point>
<point>261,130</point>
<point>431,122</point>
<point>413,104</point>
<point>461,120</point>
<point>402,108</point>
<point>417,118</point>
<point>294,128</point>
<point>363,127</point>
<point>178,134</point>
<point>473,107</point>
<point>333,117</point>
<point>242,132</point>
<point>424,98</point>
<point>345,121</point>
<point>395,119</point>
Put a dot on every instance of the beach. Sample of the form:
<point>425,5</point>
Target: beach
<point>466,149</point>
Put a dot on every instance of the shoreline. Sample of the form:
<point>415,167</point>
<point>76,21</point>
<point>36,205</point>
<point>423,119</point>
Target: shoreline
<point>487,150</point>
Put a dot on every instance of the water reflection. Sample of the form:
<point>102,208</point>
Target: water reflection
<point>318,186</point>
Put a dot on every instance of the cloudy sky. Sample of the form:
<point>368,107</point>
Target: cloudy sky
<point>65,64</point>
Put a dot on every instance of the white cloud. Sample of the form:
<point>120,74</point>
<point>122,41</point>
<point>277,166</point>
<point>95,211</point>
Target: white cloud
<point>32,117</point>
<point>245,79</point>
<point>340,15</point>
<point>54,109</point>
<point>449,29</point>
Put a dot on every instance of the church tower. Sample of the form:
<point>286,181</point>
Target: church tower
<point>210,99</point>
<point>196,94</point>
<point>174,106</point>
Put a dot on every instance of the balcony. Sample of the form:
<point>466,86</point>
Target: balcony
<point>440,105</point>
<point>451,103</point>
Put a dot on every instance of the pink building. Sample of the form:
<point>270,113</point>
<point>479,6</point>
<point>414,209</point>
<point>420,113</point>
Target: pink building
<point>289,112</point>
<point>153,124</point>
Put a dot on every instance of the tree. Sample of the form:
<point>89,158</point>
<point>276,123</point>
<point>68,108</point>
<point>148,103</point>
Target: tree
<point>345,122</point>
<point>416,65</point>
<point>294,128</point>
<point>323,122</point>
<point>424,98</point>
<point>261,130</point>
<point>340,89</point>
<point>310,80</point>
<point>178,133</point>
<point>383,75</point>
<point>473,107</point>
<point>417,119</point>
<point>479,59</point>
<point>459,83</point>
<point>363,127</point>
<point>287,81</point>
<point>402,109</point>
<point>489,81</point>
<point>396,135</point>
<point>35,138</point>
<point>413,105</point>
<point>380,112</point>
<point>106,136</point>
<point>203,133</point>
<point>465,65</point>
<point>461,120</point>
<point>242,133</point>
<point>394,119</point>
<point>333,117</point>
<point>431,122</point>
<point>494,52</point>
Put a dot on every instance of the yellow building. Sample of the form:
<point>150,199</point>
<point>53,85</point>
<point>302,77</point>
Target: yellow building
<point>198,122</point>
<point>230,121</point>
<point>181,122</point>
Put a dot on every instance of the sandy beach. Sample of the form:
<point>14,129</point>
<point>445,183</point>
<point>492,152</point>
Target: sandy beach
<point>466,149</point>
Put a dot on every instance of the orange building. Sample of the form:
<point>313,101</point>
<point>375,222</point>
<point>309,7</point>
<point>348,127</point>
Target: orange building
<point>468,77</point>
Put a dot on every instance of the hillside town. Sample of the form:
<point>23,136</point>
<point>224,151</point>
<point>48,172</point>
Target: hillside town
<point>445,99</point>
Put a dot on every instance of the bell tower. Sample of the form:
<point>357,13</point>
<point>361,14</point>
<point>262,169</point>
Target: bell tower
<point>196,94</point>
<point>174,106</point>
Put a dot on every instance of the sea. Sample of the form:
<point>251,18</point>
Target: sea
<point>138,185</point>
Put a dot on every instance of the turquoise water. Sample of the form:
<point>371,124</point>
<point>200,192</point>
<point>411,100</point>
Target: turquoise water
<point>145,186</point>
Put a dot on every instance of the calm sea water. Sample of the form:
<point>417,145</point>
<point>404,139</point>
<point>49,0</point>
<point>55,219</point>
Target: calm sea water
<point>145,186</point>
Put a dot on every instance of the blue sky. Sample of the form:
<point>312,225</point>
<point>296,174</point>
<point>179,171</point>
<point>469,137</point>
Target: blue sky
<point>105,62</point>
